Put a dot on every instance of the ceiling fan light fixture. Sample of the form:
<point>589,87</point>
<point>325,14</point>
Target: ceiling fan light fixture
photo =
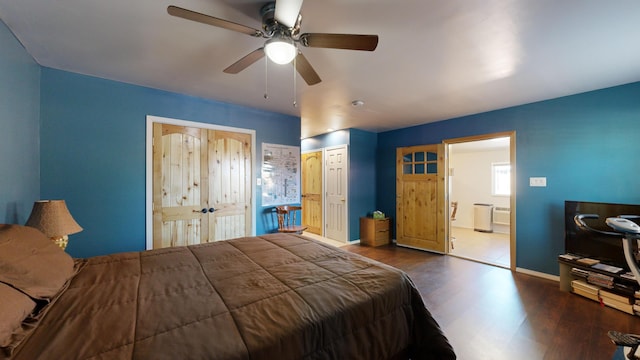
<point>280,50</point>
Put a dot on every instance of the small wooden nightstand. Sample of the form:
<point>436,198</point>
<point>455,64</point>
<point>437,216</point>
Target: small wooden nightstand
<point>375,232</point>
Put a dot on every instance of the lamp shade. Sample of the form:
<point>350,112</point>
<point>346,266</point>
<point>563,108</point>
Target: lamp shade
<point>280,50</point>
<point>53,218</point>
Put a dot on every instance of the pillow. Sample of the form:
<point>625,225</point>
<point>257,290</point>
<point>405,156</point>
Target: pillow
<point>32,263</point>
<point>14,308</point>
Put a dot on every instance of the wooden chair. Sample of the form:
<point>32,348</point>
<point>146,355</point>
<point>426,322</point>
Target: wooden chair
<point>287,219</point>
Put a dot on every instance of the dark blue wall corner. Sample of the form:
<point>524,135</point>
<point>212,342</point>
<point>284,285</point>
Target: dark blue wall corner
<point>362,178</point>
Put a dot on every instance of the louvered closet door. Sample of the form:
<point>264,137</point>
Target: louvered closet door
<point>201,185</point>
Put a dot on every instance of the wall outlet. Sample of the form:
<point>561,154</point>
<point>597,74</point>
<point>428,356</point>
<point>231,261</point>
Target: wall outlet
<point>258,181</point>
<point>538,181</point>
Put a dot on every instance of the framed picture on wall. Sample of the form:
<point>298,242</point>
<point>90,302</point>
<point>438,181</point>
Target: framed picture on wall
<point>280,174</point>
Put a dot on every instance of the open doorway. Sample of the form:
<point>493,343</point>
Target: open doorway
<point>480,192</point>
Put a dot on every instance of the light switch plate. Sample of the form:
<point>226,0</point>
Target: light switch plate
<point>258,181</point>
<point>538,181</point>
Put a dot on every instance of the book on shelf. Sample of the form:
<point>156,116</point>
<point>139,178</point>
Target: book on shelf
<point>587,261</point>
<point>626,307</point>
<point>579,272</point>
<point>582,288</point>
<point>600,279</point>
<point>628,276</point>
<point>607,268</point>
<point>581,284</point>
<point>586,294</point>
<point>570,257</point>
<point>615,297</point>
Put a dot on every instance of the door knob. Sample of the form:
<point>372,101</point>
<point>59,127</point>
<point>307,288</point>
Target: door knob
<point>204,210</point>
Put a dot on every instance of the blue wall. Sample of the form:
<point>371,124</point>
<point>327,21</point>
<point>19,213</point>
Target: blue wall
<point>587,145</point>
<point>93,151</point>
<point>19,130</point>
<point>362,170</point>
<point>362,178</point>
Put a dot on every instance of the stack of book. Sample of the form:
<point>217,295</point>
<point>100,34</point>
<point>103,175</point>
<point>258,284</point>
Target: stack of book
<point>616,301</point>
<point>608,298</point>
<point>585,289</point>
<point>600,279</point>
<point>580,272</point>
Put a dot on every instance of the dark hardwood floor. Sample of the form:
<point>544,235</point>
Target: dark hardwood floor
<point>492,313</point>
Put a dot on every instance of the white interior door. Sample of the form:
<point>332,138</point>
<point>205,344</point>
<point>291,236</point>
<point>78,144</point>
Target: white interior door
<point>336,223</point>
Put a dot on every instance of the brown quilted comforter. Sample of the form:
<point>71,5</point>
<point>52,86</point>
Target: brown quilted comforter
<point>275,296</point>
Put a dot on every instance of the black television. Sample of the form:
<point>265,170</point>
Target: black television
<point>606,248</point>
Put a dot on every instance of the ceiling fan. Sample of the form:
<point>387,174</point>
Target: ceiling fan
<point>281,28</point>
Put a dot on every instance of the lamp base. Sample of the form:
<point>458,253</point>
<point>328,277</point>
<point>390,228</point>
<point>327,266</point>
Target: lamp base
<point>61,241</point>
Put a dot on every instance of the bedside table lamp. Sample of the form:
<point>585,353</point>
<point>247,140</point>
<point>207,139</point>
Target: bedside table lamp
<point>53,218</point>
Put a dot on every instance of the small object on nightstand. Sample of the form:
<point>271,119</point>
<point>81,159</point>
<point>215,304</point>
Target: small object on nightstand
<point>375,232</point>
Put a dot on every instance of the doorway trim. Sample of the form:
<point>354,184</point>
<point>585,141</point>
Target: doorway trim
<point>512,199</point>
<point>149,167</point>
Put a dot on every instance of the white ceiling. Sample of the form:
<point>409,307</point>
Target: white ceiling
<point>435,59</point>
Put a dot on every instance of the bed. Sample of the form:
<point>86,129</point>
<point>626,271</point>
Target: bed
<point>276,296</point>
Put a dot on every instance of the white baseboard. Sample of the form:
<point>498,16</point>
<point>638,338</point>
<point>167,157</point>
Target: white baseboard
<point>538,274</point>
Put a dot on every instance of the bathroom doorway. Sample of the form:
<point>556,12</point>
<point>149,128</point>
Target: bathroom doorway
<point>480,192</point>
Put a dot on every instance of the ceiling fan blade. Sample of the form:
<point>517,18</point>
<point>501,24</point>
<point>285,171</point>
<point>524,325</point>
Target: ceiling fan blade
<point>340,41</point>
<point>287,12</point>
<point>244,63</point>
<point>210,20</point>
<point>305,70</point>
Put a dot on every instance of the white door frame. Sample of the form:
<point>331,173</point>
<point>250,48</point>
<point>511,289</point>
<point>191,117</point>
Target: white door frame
<point>149,167</point>
<point>512,199</point>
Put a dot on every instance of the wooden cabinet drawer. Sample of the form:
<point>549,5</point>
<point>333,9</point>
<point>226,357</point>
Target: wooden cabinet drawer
<point>375,232</point>
<point>382,225</point>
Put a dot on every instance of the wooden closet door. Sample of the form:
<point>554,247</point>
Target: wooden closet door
<point>201,185</point>
<point>312,192</point>
<point>229,185</point>
<point>420,197</point>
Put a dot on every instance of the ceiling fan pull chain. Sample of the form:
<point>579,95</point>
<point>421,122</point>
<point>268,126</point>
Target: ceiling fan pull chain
<point>295,103</point>
<point>266,78</point>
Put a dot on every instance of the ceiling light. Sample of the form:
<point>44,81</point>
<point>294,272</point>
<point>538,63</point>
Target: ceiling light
<point>280,49</point>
